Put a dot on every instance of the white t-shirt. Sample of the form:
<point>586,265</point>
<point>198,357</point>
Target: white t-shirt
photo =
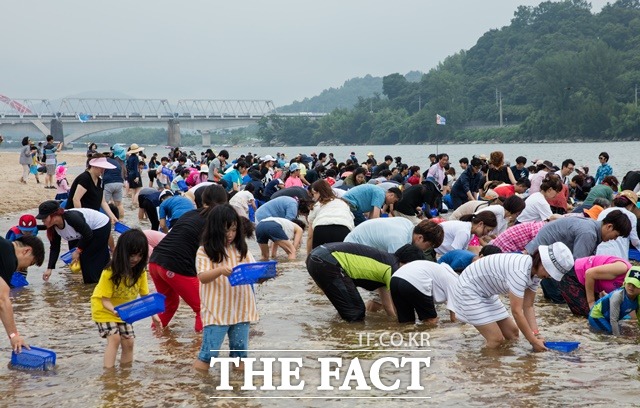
<point>457,235</point>
<point>468,208</point>
<point>432,279</point>
<point>384,234</point>
<point>335,212</point>
<point>241,199</point>
<point>536,208</point>
<point>287,226</point>
<point>620,246</point>
<point>94,219</point>
<point>498,210</point>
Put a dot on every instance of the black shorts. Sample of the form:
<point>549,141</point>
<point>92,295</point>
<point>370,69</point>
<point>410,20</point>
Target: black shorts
<point>133,183</point>
<point>152,174</point>
<point>408,301</point>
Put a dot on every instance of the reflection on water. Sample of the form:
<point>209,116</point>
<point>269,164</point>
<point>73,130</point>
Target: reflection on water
<point>295,315</point>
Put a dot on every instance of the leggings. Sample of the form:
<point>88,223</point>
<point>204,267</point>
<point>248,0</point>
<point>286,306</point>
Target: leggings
<point>408,300</point>
<point>324,234</point>
<point>175,286</point>
<point>151,211</point>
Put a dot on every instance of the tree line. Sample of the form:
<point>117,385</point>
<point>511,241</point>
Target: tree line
<point>561,72</point>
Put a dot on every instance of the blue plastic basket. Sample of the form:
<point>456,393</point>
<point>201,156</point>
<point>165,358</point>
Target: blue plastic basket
<point>34,359</point>
<point>634,254</point>
<point>141,308</point>
<point>246,274</point>
<point>18,280</point>
<point>120,227</point>
<point>66,257</point>
<point>562,346</point>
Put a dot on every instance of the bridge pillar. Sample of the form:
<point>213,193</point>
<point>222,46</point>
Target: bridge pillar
<point>206,139</point>
<point>174,139</point>
<point>56,130</point>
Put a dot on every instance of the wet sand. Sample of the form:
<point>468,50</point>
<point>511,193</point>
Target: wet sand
<point>295,315</point>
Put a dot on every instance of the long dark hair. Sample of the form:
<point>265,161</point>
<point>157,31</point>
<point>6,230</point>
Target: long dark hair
<point>486,217</point>
<point>132,242</point>
<point>214,238</point>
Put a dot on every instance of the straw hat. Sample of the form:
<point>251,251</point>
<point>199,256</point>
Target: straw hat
<point>134,148</point>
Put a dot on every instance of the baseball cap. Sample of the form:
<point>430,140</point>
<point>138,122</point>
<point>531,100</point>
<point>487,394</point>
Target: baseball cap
<point>47,208</point>
<point>633,276</point>
<point>165,193</point>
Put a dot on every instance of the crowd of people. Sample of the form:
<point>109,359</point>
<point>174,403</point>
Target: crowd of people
<point>412,238</point>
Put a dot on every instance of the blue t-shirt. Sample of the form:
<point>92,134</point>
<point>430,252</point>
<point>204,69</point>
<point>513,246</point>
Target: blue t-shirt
<point>281,207</point>
<point>174,207</point>
<point>458,259</point>
<point>231,177</point>
<point>365,197</point>
<point>384,234</point>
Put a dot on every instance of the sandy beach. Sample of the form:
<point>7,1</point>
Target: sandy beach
<point>18,197</point>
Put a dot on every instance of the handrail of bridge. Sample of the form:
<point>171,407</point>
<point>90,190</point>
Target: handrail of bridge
<point>114,107</point>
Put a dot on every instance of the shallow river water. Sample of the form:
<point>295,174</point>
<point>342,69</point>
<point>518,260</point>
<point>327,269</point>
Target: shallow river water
<point>295,315</point>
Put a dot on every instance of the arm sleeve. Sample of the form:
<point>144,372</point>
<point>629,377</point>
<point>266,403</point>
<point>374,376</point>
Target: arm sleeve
<point>460,241</point>
<point>291,211</point>
<point>464,183</point>
<point>144,284</point>
<point>584,245</point>
<point>162,213</point>
<point>614,311</point>
<point>77,222</point>
<point>54,250</point>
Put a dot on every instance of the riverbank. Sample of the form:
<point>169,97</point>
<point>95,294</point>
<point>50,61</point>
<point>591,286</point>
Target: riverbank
<point>18,197</point>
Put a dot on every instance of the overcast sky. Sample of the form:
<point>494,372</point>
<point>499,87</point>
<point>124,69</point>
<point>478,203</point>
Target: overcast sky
<point>281,50</point>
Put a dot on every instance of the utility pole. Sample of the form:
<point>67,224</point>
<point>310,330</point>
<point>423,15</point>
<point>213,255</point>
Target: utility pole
<point>420,100</point>
<point>499,103</point>
<point>636,95</point>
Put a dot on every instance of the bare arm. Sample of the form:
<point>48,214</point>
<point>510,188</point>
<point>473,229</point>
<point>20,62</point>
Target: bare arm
<point>8,321</point>
<point>310,240</point>
<point>297,237</point>
<point>602,272</point>
<point>375,213</point>
<point>511,178</point>
<point>213,274</point>
<point>80,192</point>
<point>529,311</point>
<point>387,302</point>
<point>517,309</point>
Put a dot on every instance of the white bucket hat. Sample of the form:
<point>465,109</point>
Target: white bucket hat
<point>557,259</point>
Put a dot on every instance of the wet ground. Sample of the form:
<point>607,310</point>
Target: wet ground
<point>296,316</point>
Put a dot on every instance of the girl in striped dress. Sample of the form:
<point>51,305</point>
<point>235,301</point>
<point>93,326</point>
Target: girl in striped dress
<point>226,310</point>
<point>476,292</point>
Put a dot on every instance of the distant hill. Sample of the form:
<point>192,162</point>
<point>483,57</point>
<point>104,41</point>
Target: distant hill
<point>344,97</point>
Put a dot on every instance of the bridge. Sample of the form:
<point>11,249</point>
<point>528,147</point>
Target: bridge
<point>72,118</point>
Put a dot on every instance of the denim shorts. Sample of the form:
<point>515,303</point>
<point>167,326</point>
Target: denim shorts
<point>269,230</point>
<point>213,336</point>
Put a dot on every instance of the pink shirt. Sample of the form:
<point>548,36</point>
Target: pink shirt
<point>293,182</point>
<point>582,264</point>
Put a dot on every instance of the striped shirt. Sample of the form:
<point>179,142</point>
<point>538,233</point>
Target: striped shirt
<point>223,304</point>
<point>500,274</point>
<point>515,238</point>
